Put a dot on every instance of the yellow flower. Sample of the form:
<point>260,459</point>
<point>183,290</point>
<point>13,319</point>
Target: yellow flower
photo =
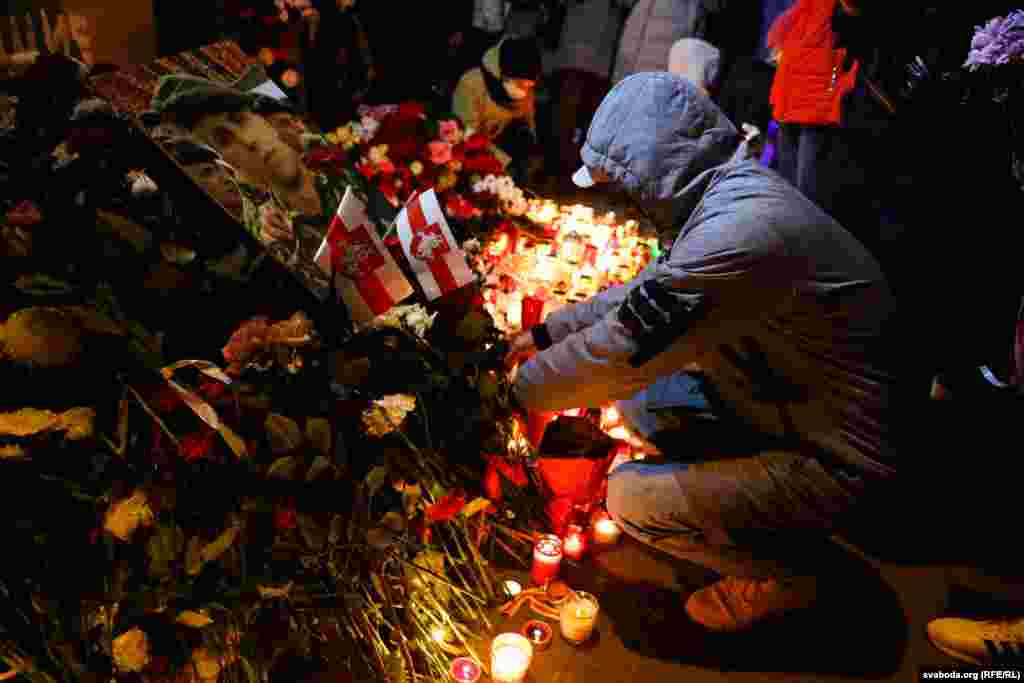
<point>343,136</point>
<point>378,154</point>
<point>416,167</point>
<point>125,516</point>
<point>131,650</point>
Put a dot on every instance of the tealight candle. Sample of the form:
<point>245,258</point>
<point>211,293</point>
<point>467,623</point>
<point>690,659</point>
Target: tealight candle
<point>538,632</point>
<point>512,587</point>
<point>465,670</point>
<point>606,530</point>
<point>575,543</point>
<point>510,658</point>
<point>547,559</point>
<point>578,617</point>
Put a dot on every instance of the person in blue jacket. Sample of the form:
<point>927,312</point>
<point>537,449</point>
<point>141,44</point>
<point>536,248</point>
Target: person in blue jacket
<point>765,306</point>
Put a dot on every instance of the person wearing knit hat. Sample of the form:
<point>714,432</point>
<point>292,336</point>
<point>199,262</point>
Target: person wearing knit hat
<point>240,125</point>
<point>497,98</point>
<point>696,60</point>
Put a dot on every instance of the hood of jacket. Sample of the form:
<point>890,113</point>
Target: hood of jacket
<point>659,137</point>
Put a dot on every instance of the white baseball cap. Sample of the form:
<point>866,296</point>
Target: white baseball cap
<point>582,177</point>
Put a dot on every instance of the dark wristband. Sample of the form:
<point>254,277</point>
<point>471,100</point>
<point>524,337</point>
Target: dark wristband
<point>541,336</point>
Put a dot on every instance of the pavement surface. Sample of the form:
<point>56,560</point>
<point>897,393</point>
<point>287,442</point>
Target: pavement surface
<point>869,623</point>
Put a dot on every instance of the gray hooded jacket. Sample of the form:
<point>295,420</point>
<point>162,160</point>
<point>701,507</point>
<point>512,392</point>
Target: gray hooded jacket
<point>763,293</point>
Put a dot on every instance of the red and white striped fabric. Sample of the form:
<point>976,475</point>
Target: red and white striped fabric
<point>367,278</point>
<point>440,265</point>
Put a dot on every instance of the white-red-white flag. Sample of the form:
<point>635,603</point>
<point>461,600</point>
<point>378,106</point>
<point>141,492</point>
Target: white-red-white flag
<point>440,265</point>
<point>366,276</point>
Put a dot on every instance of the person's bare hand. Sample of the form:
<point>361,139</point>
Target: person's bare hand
<point>521,349</point>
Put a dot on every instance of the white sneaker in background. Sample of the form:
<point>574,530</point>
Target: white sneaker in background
<point>981,643</point>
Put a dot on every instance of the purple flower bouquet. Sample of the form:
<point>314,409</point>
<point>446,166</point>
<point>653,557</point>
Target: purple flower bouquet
<point>1000,41</point>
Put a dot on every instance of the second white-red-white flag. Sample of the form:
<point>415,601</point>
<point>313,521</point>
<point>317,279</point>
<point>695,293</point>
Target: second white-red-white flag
<point>436,259</point>
<point>366,276</point>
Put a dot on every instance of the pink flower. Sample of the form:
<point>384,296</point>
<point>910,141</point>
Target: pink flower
<point>450,132</point>
<point>439,152</point>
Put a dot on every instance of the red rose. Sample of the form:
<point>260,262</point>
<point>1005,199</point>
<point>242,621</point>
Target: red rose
<point>196,447</point>
<point>498,467</point>
<point>411,110</point>
<point>459,207</point>
<point>285,518</point>
<point>447,507</point>
<point>484,164</point>
<point>477,142</point>
<point>367,169</point>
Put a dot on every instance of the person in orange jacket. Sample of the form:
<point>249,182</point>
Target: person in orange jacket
<point>813,77</point>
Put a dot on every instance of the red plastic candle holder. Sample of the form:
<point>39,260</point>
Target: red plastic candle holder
<point>575,543</point>
<point>547,559</point>
<point>465,670</point>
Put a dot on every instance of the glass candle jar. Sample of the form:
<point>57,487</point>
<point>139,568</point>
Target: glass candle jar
<point>547,559</point>
<point>511,654</point>
<point>578,617</point>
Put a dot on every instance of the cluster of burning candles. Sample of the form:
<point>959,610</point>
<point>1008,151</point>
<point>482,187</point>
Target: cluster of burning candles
<point>578,255</point>
<point>512,653</point>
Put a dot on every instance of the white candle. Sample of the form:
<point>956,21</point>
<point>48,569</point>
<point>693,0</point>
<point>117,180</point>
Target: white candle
<point>510,658</point>
<point>512,588</point>
<point>578,617</point>
<point>606,531</point>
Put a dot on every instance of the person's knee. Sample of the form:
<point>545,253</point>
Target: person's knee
<point>639,494</point>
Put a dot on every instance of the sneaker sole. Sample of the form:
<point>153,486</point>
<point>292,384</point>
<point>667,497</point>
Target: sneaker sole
<point>955,654</point>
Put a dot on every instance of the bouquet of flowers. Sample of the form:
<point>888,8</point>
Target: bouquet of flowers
<point>999,42</point>
<point>402,149</point>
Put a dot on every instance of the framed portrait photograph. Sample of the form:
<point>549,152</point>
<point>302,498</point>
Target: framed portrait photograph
<point>235,133</point>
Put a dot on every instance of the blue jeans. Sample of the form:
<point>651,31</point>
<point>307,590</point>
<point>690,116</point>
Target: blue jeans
<point>746,507</point>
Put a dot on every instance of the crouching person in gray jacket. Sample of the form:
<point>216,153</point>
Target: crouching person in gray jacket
<point>775,306</point>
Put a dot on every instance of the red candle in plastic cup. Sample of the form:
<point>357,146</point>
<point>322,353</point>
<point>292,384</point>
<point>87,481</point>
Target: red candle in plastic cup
<point>533,309</point>
<point>575,543</point>
<point>465,670</point>
<point>547,559</point>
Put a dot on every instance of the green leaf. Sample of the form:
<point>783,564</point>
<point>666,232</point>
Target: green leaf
<point>437,491</point>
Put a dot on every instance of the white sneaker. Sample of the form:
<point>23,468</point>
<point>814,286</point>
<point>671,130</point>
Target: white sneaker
<point>981,643</point>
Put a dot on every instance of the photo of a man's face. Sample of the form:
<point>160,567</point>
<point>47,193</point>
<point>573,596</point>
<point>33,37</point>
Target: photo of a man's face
<point>250,144</point>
